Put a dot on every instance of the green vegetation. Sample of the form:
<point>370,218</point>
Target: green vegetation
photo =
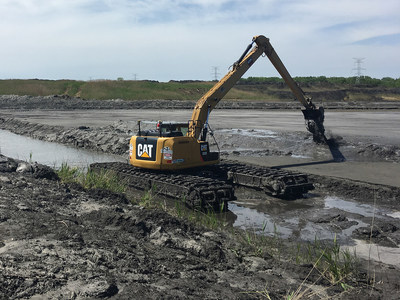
<point>37,87</point>
<point>252,88</point>
<point>107,89</point>
<point>149,197</point>
<point>90,179</point>
<point>331,262</point>
<point>144,90</point>
<point>364,81</point>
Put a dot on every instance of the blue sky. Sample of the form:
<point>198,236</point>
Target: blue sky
<point>181,39</point>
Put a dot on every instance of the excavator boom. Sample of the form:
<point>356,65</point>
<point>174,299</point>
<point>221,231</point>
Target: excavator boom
<point>207,103</point>
<point>313,115</point>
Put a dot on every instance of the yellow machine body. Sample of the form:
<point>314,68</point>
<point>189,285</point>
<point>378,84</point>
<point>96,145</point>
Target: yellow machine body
<point>170,153</point>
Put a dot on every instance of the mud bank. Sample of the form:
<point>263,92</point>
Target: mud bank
<point>60,241</point>
<point>58,102</point>
<point>114,139</point>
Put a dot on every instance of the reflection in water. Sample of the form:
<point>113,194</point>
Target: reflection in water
<point>298,219</point>
<point>51,154</point>
<point>351,207</point>
<point>248,218</point>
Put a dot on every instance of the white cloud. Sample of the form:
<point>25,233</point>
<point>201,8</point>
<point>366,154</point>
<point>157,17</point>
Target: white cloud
<point>182,39</point>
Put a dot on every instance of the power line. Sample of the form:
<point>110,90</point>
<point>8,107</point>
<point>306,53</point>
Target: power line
<point>215,72</point>
<point>358,61</point>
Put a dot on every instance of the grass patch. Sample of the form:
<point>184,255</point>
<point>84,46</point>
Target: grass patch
<point>329,262</point>
<point>333,263</point>
<point>260,244</point>
<point>209,218</point>
<point>254,89</point>
<point>90,179</point>
<point>35,87</point>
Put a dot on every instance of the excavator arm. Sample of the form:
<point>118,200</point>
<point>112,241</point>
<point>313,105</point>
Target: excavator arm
<point>207,103</point>
<point>313,115</point>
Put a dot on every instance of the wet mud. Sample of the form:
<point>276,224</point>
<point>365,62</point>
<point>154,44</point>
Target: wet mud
<point>114,139</point>
<point>57,102</point>
<point>60,241</point>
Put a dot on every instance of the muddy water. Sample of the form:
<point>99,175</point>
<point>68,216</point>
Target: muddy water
<point>314,218</point>
<point>288,219</point>
<point>50,154</point>
<point>308,220</point>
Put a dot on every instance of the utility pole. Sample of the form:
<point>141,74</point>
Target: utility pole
<point>358,61</point>
<point>134,76</point>
<point>215,72</point>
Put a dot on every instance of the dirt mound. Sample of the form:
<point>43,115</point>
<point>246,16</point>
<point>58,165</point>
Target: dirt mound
<point>37,170</point>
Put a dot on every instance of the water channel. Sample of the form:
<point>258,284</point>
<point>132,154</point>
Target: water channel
<point>51,154</point>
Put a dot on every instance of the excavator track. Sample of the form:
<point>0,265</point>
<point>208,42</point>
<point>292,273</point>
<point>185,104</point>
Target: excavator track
<point>212,186</point>
<point>196,192</point>
<point>275,182</point>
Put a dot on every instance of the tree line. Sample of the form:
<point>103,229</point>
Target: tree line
<point>328,81</point>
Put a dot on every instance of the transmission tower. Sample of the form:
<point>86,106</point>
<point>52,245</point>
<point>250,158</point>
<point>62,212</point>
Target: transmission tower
<point>215,72</point>
<point>357,62</point>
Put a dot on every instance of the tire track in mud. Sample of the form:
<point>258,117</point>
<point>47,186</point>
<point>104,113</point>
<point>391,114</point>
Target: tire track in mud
<point>364,192</point>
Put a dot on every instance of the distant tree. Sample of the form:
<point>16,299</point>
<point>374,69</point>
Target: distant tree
<point>390,82</point>
<point>323,80</point>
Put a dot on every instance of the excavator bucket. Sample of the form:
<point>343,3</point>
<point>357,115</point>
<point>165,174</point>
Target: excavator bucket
<point>315,123</point>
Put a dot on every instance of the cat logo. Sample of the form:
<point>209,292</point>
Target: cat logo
<point>146,148</point>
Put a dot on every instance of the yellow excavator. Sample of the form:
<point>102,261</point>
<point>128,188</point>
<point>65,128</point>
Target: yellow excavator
<point>175,146</point>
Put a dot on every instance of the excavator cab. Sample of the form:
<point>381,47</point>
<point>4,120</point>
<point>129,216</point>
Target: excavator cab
<point>169,147</point>
<point>166,130</point>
